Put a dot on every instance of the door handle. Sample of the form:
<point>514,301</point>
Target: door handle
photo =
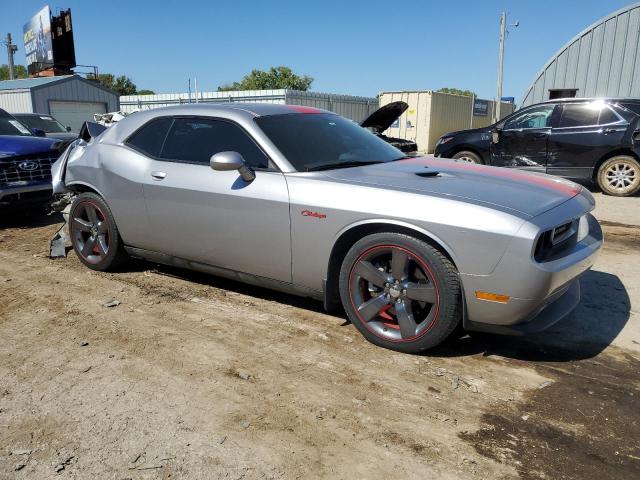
<point>540,135</point>
<point>158,175</point>
<point>607,131</point>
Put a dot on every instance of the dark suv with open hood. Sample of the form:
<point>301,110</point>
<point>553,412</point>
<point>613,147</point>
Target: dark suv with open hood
<point>595,140</point>
<point>383,118</point>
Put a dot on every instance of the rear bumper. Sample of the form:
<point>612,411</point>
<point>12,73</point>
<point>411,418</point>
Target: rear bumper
<point>540,293</point>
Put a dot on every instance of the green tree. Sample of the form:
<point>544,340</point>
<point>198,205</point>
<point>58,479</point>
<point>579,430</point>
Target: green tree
<point>272,79</point>
<point>457,91</point>
<point>121,84</point>
<point>19,70</point>
<point>145,92</point>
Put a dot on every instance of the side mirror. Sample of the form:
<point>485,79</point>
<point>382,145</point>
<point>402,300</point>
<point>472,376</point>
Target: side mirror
<point>226,161</point>
<point>38,132</point>
<point>68,129</point>
<point>495,134</point>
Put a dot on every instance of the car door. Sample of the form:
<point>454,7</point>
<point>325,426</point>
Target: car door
<point>521,141</point>
<point>215,217</point>
<point>585,133</point>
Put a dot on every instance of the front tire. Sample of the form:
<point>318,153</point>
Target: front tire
<point>400,292</point>
<point>94,234</point>
<point>619,176</point>
<point>468,156</point>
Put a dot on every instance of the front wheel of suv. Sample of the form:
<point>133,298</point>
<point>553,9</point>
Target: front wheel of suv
<point>468,156</point>
<point>400,292</point>
<point>619,176</point>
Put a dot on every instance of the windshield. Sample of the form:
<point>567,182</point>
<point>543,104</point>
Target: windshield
<point>43,122</point>
<point>325,141</point>
<point>11,126</point>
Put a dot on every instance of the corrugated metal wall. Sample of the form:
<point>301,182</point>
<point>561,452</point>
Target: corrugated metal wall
<point>130,103</point>
<point>355,108</point>
<point>16,101</point>
<point>602,60</point>
<point>432,114</point>
<point>73,90</point>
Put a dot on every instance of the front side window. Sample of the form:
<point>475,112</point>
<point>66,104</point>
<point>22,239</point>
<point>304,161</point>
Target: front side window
<point>320,141</point>
<point>536,117</point>
<point>195,140</point>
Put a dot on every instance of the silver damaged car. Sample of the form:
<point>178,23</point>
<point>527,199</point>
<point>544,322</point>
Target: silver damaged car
<point>304,201</point>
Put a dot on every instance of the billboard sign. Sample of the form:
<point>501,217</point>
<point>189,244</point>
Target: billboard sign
<point>37,41</point>
<point>480,108</point>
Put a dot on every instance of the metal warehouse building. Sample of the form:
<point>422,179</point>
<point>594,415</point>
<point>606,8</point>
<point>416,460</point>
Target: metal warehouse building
<point>355,108</point>
<point>71,99</point>
<point>602,60</point>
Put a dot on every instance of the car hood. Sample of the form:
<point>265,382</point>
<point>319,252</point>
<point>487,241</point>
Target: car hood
<point>11,145</point>
<point>382,118</point>
<point>524,194</point>
<point>469,130</point>
<point>66,136</point>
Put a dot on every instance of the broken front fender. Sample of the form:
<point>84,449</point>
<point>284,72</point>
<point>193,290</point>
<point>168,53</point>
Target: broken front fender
<point>59,168</point>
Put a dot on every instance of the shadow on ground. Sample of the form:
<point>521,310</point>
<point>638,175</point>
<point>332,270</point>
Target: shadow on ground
<point>28,218</point>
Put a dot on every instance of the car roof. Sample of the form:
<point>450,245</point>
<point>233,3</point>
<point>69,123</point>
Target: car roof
<point>255,109</point>
<point>592,99</point>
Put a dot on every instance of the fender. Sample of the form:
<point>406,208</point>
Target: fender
<point>398,223</point>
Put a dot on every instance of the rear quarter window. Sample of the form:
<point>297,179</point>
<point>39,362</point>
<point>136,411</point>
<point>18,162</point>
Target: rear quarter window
<point>149,138</point>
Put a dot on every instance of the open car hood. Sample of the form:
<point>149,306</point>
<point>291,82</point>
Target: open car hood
<point>382,118</point>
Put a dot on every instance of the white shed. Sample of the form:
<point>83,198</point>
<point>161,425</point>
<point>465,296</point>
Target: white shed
<point>71,99</point>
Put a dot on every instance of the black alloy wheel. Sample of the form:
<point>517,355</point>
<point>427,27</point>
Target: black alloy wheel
<point>94,235</point>
<point>402,294</point>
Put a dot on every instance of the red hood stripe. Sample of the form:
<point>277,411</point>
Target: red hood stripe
<point>550,182</point>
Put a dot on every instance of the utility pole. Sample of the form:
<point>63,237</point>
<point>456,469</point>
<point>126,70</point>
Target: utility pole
<point>503,34</point>
<point>11,49</point>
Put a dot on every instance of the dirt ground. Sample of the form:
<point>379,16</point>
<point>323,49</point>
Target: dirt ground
<point>191,376</point>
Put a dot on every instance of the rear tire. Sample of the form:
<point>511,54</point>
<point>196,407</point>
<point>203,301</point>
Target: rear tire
<point>619,176</point>
<point>94,234</point>
<point>410,310</point>
<point>468,156</point>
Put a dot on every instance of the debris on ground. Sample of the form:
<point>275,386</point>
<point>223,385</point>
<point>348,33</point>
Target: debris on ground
<point>111,303</point>
<point>19,466</point>
<point>21,452</point>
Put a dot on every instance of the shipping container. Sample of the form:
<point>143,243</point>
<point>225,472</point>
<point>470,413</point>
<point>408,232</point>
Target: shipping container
<point>432,114</point>
<point>349,106</point>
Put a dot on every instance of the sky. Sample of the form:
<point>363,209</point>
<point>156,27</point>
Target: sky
<point>348,47</point>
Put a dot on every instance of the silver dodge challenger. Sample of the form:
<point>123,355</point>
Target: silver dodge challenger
<point>304,201</point>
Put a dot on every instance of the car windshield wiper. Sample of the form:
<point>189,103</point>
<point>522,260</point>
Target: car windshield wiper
<point>331,166</point>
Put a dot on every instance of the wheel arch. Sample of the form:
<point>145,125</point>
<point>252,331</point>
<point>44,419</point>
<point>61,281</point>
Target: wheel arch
<point>620,151</point>
<point>82,187</point>
<point>352,233</point>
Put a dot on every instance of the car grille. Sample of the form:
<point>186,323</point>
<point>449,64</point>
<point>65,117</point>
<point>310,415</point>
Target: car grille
<point>27,168</point>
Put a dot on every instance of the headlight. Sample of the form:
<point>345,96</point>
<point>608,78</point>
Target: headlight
<point>443,140</point>
<point>583,228</point>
